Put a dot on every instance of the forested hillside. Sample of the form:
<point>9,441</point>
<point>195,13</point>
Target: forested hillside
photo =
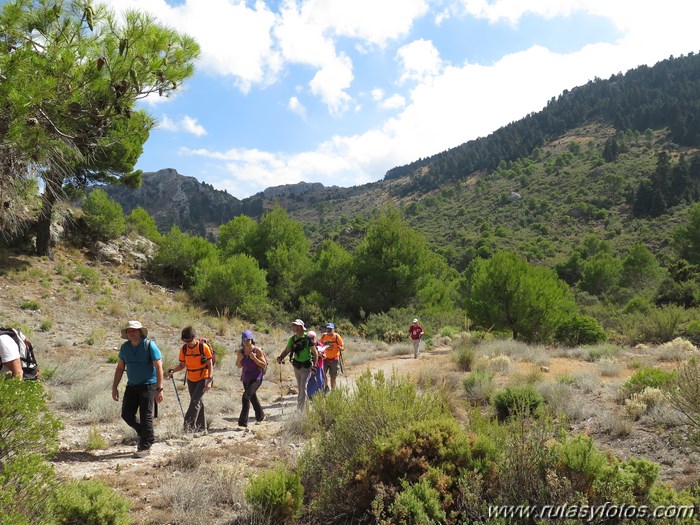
<point>664,96</point>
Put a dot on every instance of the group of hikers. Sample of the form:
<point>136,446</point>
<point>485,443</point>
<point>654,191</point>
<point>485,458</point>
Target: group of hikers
<point>313,360</point>
<point>316,363</point>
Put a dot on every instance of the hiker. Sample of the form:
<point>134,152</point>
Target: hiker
<point>303,357</point>
<point>334,350</point>
<point>10,356</point>
<point>252,361</point>
<point>143,363</point>
<point>317,381</point>
<point>416,333</point>
<point>196,357</point>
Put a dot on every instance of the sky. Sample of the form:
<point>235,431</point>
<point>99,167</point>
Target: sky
<point>340,91</point>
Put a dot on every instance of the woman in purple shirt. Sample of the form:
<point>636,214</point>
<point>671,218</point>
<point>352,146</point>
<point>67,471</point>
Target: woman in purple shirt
<point>252,362</point>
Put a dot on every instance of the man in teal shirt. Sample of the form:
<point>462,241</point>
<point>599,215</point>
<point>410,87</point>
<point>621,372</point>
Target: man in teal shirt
<point>142,360</point>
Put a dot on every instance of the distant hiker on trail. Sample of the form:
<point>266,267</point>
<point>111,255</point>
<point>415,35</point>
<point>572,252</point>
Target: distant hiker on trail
<point>196,357</point>
<point>303,357</point>
<point>334,350</point>
<point>317,381</point>
<point>416,333</point>
<point>252,361</point>
<point>143,363</point>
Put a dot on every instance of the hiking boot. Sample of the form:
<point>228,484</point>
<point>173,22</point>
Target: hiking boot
<point>142,452</point>
<point>261,419</point>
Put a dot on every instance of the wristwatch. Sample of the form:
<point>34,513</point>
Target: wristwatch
<point>159,389</point>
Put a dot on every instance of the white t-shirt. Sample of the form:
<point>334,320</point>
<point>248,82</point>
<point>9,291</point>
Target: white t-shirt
<point>9,351</point>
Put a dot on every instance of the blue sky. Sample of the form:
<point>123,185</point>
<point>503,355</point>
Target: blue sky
<point>340,91</point>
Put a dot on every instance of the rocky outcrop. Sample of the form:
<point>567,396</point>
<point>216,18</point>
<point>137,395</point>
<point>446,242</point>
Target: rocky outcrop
<point>287,190</point>
<point>171,198</point>
<point>134,252</point>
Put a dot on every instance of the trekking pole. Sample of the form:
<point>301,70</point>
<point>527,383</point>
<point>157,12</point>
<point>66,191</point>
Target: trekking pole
<point>281,384</point>
<point>177,394</point>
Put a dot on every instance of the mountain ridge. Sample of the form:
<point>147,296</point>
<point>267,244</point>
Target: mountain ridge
<point>557,159</point>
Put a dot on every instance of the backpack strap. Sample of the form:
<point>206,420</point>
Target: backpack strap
<point>148,349</point>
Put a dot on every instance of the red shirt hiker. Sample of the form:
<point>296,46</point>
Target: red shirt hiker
<point>416,332</point>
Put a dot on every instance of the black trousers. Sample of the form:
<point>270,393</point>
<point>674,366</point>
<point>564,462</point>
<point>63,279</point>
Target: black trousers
<point>194,417</point>
<point>141,399</point>
<point>250,396</point>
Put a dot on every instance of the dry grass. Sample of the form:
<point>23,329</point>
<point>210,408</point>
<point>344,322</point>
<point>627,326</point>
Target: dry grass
<point>609,367</point>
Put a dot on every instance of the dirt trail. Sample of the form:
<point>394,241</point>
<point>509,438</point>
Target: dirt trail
<point>225,433</point>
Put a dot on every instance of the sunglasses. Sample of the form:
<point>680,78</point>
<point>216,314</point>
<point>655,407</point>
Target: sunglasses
<point>188,340</point>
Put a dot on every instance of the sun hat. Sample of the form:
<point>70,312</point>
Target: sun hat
<point>311,333</point>
<point>299,322</point>
<point>330,325</point>
<point>134,324</point>
<point>247,334</point>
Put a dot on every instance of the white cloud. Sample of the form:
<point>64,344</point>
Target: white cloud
<point>190,125</point>
<point>250,171</point>
<point>447,104</point>
<point>187,124</point>
<point>167,124</point>
<point>253,45</point>
<point>420,60</point>
<point>393,102</point>
<point>330,83</point>
<point>235,40</point>
<point>374,21</point>
<point>296,107</point>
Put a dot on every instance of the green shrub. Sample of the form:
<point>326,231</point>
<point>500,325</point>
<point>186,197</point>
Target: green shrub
<point>449,331</point>
<point>598,352</point>
<point>237,283</point>
<point>177,256</point>
<point>684,391</point>
<point>479,386</point>
<point>30,305</point>
<point>276,493</point>
<point>580,462</point>
<point>436,450</point>
<point>389,326</point>
<point>90,502</point>
<point>517,401</point>
<point>103,217</point>
<point>507,292</point>
<point>638,304</point>
<point>348,424</point>
<point>580,330</point>
<point>29,435</point>
<point>693,331</point>
<point>95,440</point>
<point>464,356</point>
<point>657,325</point>
<point>417,503</point>
<point>646,377</point>
<point>141,223</point>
